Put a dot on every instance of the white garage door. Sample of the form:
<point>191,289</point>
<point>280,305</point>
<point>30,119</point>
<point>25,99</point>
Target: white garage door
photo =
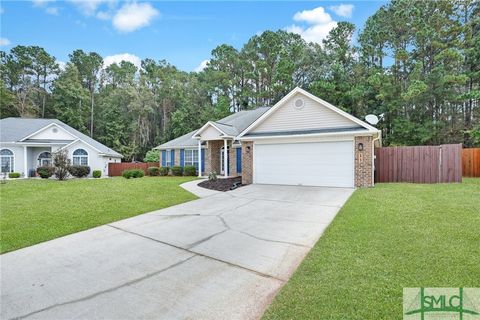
<point>310,164</point>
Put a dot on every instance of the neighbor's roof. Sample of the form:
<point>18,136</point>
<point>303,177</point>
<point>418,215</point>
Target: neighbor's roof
<point>15,129</point>
<point>231,125</point>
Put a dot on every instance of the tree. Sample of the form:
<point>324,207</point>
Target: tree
<point>70,99</point>
<point>88,66</point>
<point>61,164</point>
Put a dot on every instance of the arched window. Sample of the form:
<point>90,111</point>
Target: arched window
<point>7,160</point>
<point>80,157</point>
<point>44,159</point>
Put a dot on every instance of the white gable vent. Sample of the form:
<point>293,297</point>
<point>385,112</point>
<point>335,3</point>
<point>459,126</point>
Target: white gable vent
<point>298,103</point>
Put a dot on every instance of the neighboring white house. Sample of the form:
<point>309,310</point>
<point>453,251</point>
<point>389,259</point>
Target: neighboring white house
<point>26,144</point>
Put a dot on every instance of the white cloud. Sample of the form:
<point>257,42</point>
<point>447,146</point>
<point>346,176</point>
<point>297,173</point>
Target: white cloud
<point>103,15</point>
<point>117,58</point>
<point>4,42</point>
<point>40,3</point>
<point>87,7</point>
<point>62,65</point>
<point>343,10</point>
<point>133,16</point>
<point>314,16</point>
<point>319,23</point>
<point>52,10</point>
<point>201,66</point>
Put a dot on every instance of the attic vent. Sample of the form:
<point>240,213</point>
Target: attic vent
<point>298,104</point>
<point>54,130</point>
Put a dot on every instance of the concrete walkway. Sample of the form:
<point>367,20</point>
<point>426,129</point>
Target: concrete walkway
<point>220,257</point>
<point>192,186</point>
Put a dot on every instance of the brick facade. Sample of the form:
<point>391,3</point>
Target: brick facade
<point>212,156</point>
<point>247,162</point>
<point>233,162</point>
<point>364,162</point>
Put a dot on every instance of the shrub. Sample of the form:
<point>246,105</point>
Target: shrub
<point>79,171</point>
<point>14,175</point>
<point>61,164</point>
<point>190,171</point>
<point>97,173</point>
<point>152,156</point>
<point>212,176</point>
<point>177,170</point>
<point>45,172</point>
<point>133,173</point>
<point>164,171</point>
<point>153,171</point>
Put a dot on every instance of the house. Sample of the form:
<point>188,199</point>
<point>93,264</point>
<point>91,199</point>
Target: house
<point>26,144</point>
<point>301,140</point>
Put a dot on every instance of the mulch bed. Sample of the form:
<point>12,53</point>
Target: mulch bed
<point>221,184</point>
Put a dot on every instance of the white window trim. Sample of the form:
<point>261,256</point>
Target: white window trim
<point>80,157</point>
<point>41,159</point>
<point>12,163</point>
<point>168,158</point>
<point>192,162</point>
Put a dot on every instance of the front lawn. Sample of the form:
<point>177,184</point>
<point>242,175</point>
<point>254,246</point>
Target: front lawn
<point>384,239</point>
<point>32,211</point>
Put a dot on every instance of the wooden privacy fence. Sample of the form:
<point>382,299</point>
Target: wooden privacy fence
<point>116,169</point>
<point>471,162</point>
<point>419,164</point>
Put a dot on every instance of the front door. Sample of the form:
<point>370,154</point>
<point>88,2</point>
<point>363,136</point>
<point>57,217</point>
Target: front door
<point>222,167</point>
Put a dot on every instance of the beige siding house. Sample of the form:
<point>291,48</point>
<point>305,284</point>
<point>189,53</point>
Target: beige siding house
<point>301,140</point>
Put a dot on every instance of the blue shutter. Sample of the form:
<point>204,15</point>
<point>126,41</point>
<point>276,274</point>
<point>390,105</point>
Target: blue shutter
<point>203,159</point>
<point>239,160</point>
<point>172,157</point>
<point>164,158</point>
<point>182,157</point>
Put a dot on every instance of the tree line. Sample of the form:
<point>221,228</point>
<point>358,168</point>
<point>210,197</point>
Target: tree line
<point>417,63</point>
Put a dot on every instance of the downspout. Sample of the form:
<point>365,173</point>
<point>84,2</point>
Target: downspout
<point>379,137</point>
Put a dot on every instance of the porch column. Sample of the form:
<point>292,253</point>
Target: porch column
<point>25,169</point>
<point>225,157</point>
<point>199,158</point>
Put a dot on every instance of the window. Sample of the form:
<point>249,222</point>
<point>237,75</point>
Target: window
<point>80,157</point>
<point>168,155</point>
<point>191,158</point>
<point>44,159</point>
<point>6,160</point>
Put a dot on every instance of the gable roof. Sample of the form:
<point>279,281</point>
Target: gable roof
<point>280,103</point>
<point>16,129</point>
<point>230,126</point>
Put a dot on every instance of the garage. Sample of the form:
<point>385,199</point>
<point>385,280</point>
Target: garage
<point>329,164</point>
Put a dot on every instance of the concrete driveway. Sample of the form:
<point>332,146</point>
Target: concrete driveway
<point>224,256</point>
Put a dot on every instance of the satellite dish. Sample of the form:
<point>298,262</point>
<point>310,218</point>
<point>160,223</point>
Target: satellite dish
<point>372,119</point>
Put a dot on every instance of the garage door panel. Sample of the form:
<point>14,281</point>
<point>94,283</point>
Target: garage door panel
<point>309,164</point>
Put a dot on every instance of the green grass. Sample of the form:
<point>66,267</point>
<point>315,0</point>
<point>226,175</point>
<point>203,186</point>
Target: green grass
<point>33,211</point>
<point>384,239</point>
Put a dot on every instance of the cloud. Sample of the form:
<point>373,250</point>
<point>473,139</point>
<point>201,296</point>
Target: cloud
<point>315,16</point>
<point>117,58</point>
<point>52,10</point>
<point>201,66</point>
<point>133,16</point>
<point>103,15</point>
<point>40,3</point>
<point>343,10</point>
<point>88,7</point>
<point>4,42</point>
<point>319,23</point>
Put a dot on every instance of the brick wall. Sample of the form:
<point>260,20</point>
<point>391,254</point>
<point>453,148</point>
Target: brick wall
<point>364,162</point>
<point>233,162</point>
<point>247,162</point>
<point>212,156</point>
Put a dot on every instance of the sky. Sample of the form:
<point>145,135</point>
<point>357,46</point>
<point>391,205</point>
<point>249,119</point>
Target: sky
<point>183,33</point>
